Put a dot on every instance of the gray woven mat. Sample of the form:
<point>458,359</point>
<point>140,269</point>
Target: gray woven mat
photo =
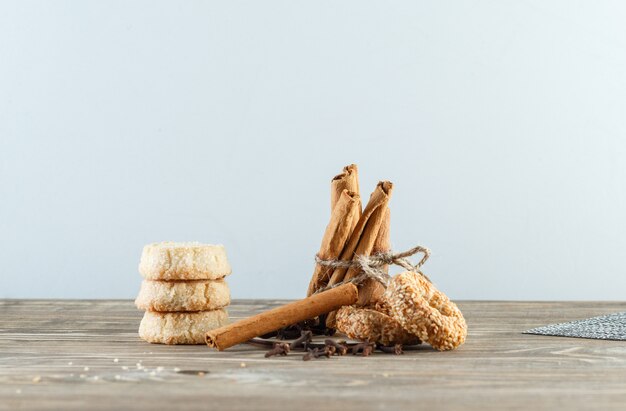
<point>606,327</point>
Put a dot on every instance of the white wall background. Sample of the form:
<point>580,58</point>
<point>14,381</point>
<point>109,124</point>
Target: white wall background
<point>502,124</point>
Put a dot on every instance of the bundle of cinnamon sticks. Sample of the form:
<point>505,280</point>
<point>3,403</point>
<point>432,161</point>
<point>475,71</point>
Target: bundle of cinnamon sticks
<point>352,231</point>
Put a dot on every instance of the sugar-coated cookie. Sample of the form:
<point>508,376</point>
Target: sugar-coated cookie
<point>425,311</point>
<point>180,328</point>
<point>370,325</point>
<point>192,295</point>
<point>183,261</point>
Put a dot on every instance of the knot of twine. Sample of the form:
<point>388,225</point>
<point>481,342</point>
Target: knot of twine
<point>372,265</point>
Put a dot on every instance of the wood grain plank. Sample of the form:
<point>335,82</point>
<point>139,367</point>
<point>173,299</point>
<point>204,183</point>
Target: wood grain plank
<point>45,346</point>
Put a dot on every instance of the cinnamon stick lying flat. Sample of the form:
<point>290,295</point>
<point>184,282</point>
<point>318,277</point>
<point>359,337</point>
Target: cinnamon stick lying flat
<point>272,320</point>
<point>344,217</point>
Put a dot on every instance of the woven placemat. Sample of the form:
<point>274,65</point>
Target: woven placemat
<point>605,327</point>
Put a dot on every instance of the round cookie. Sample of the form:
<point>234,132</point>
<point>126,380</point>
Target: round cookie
<point>194,295</point>
<point>425,311</point>
<point>180,328</point>
<point>183,261</point>
<point>371,325</point>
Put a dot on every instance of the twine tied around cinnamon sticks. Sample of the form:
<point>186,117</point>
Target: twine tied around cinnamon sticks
<point>372,265</point>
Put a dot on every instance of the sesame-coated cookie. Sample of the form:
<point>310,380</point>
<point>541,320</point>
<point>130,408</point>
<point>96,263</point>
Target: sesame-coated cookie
<point>183,261</point>
<point>180,328</point>
<point>425,311</point>
<point>192,295</point>
<point>370,325</point>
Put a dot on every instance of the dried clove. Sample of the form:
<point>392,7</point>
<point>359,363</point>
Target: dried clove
<point>365,348</point>
<point>340,347</point>
<point>395,349</point>
<point>279,349</point>
<point>305,338</point>
<point>315,353</point>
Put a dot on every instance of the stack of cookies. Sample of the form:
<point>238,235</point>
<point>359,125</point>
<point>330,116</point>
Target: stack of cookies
<point>183,293</point>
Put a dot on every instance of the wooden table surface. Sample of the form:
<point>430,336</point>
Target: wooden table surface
<point>66,355</point>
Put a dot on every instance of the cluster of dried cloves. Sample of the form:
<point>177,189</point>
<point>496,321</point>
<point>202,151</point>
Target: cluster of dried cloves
<point>329,348</point>
<point>304,343</point>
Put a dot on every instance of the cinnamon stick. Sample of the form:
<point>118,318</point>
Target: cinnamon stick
<point>345,214</point>
<point>371,291</point>
<point>348,179</point>
<point>342,221</point>
<point>272,320</point>
<point>344,217</point>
